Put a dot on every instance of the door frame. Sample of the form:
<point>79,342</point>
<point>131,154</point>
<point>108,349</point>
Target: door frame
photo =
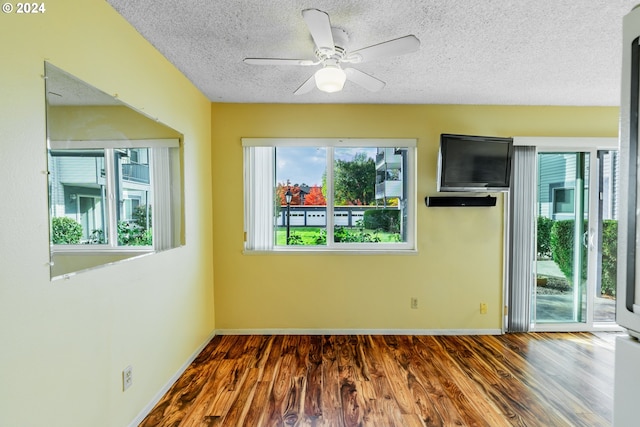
<point>571,144</point>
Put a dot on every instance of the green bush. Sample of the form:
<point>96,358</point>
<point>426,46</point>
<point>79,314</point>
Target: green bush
<point>97,237</point>
<point>140,216</point>
<point>321,237</point>
<point>544,237</point>
<point>295,239</point>
<point>609,257</point>
<point>561,243</point>
<point>562,251</point>
<point>138,232</point>
<point>358,235</point>
<point>133,235</point>
<point>382,219</point>
<point>344,235</point>
<point>65,231</point>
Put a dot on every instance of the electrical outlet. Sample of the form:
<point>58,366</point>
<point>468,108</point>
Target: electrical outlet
<point>127,377</point>
<point>414,302</point>
<point>483,308</point>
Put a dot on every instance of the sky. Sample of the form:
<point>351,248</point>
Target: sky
<point>300,165</point>
<point>305,165</point>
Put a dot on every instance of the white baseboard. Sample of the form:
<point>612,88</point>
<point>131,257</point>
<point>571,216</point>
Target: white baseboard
<point>149,406</point>
<point>358,332</point>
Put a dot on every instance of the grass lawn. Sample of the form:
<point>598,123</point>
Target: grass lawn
<point>309,235</point>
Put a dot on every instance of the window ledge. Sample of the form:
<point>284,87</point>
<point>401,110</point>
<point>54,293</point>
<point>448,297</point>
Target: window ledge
<point>386,252</point>
<point>99,250</point>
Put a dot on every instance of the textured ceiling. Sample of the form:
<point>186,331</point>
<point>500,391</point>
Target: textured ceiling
<point>513,52</point>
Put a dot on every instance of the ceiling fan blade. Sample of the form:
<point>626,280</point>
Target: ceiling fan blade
<point>320,29</point>
<point>401,46</point>
<point>365,80</point>
<point>278,61</point>
<point>306,87</point>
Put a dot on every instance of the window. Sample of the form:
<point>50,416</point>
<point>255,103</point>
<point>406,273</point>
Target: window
<point>325,194</point>
<point>107,197</point>
<point>563,200</point>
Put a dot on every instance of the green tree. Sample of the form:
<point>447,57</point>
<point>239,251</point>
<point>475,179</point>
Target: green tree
<point>355,180</point>
<point>324,184</point>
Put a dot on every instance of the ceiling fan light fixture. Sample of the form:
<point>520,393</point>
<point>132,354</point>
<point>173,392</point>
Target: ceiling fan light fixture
<point>330,78</point>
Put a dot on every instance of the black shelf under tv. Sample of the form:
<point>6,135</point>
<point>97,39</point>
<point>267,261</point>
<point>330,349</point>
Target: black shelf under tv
<point>461,201</point>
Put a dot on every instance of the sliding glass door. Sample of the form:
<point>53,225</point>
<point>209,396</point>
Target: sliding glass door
<point>576,236</point>
<point>606,238</point>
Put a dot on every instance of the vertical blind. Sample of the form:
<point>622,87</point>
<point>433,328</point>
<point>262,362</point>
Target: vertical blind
<point>522,245</point>
<point>259,207</point>
<point>161,179</point>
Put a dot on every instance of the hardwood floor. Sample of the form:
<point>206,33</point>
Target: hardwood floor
<point>539,379</point>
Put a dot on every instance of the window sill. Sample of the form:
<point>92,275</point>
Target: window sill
<point>100,250</point>
<point>385,252</point>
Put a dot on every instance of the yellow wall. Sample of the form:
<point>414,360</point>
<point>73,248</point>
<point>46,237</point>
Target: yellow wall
<point>98,123</point>
<point>63,344</point>
<point>459,263</point>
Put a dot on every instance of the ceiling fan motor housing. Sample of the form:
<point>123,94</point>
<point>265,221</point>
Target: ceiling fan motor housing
<point>338,51</point>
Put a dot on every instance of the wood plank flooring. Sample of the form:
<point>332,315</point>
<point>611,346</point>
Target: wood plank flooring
<point>539,379</point>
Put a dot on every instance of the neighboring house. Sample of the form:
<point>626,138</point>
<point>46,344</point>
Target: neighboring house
<point>389,176</point>
<point>78,186</point>
<point>391,179</point>
<point>557,182</point>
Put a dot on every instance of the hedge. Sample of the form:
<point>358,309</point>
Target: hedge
<point>609,256</point>
<point>561,244</point>
<point>544,237</point>
<point>382,219</point>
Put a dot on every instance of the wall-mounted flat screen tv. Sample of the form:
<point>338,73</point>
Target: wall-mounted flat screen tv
<point>474,163</point>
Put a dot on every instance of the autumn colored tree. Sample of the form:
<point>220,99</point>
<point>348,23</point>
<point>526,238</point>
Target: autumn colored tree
<point>315,197</point>
<point>281,190</point>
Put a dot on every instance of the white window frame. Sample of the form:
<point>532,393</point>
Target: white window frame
<point>165,199</point>
<point>259,197</point>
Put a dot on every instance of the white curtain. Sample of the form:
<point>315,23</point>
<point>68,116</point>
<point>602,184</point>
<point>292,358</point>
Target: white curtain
<point>162,196</point>
<point>522,247</point>
<point>259,197</point>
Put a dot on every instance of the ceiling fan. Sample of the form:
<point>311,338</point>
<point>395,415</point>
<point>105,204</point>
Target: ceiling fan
<point>331,54</point>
